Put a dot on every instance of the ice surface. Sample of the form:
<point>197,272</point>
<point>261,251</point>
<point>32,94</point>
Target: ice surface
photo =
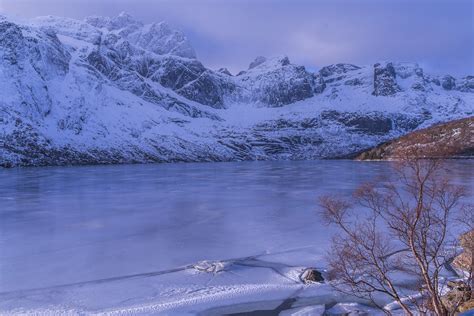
<point>171,237</point>
<point>127,238</point>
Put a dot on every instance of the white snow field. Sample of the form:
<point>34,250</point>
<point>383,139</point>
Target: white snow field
<point>174,239</point>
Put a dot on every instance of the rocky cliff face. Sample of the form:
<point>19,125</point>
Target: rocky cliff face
<point>114,90</point>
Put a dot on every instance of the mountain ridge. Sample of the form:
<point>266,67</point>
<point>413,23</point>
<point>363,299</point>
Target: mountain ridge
<point>115,90</point>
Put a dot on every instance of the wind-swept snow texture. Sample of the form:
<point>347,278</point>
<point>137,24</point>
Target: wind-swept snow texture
<point>114,90</point>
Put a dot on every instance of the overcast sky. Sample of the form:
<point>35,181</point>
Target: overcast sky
<point>230,33</point>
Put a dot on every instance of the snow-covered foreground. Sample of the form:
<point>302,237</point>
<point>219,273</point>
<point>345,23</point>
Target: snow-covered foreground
<point>132,239</point>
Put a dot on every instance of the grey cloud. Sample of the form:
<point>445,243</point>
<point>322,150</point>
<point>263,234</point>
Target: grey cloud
<point>230,33</point>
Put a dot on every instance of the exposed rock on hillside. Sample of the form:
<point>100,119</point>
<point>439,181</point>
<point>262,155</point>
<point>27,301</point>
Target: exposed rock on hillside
<point>452,139</point>
<point>385,82</point>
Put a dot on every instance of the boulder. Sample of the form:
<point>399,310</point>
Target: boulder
<point>311,275</point>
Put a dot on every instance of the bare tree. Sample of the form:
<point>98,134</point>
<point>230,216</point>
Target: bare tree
<point>396,226</point>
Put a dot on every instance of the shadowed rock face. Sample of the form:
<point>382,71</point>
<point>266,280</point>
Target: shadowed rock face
<point>466,84</point>
<point>277,82</point>
<point>192,80</point>
<point>448,82</point>
<point>258,61</point>
<point>374,123</point>
<point>385,83</point>
<point>337,69</point>
<point>224,71</point>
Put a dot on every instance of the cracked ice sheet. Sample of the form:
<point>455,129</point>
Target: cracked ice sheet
<point>186,291</point>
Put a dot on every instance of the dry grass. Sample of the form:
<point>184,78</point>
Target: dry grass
<point>452,139</point>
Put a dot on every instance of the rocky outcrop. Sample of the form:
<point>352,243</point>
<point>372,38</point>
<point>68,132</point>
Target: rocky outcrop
<point>310,275</point>
<point>258,61</point>
<point>224,71</point>
<point>448,82</point>
<point>466,84</point>
<point>367,123</point>
<point>337,69</point>
<point>465,260</point>
<point>458,296</point>
<point>452,139</point>
<point>385,83</point>
<point>276,82</point>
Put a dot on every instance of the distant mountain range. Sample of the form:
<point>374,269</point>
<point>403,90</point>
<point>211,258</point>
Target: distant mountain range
<point>115,90</point>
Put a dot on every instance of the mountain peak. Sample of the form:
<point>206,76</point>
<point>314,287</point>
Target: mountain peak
<point>269,63</point>
<point>257,61</point>
<point>121,21</point>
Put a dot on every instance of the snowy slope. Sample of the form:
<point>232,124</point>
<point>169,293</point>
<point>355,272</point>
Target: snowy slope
<point>114,90</point>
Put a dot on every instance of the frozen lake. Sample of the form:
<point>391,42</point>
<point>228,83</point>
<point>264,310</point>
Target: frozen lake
<point>96,238</point>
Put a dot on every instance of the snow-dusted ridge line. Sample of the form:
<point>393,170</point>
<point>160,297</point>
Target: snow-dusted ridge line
<point>114,90</point>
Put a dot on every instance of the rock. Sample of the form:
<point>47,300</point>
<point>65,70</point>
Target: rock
<point>436,81</point>
<point>466,84</point>
<point>161,39</point>
<point>418,86</point>
<point>459,294</point>
<point>354,82</point>
<point>225,71</point>
<point>311,275</point>
<point>331,70</point>
<point>277,82</point>
<point>318,84</point>
<point>448,82</point>
<point>192,80</point>
<point>258,61</point>
<point>467,306</point>
<point>406,70</point>
<point>465,260</point>
<point>210,266</point>
<point>370,123</point>
<point>385,83</point>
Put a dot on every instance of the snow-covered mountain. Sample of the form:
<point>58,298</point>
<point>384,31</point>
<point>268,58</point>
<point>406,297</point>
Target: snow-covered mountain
<point>114,90</point>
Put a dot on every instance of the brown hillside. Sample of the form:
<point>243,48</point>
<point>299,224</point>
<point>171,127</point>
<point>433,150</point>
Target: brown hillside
<point>453,139</point>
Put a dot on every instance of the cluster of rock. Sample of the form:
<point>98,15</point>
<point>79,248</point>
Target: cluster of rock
<point>460,296</point>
